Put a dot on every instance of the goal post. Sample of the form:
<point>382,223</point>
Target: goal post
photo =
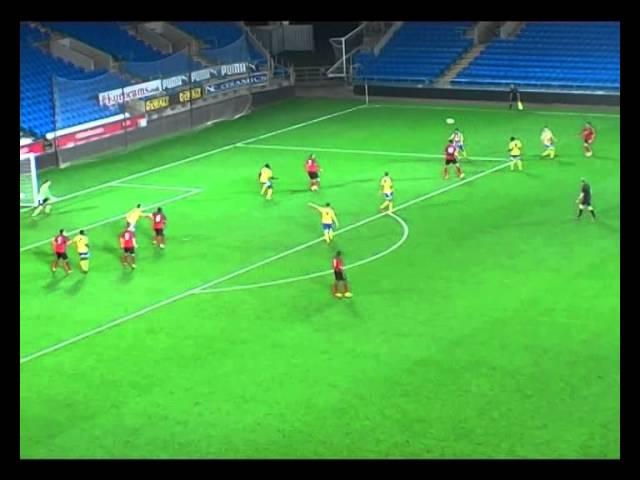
<point>28,181</point>
<point>344,49</point>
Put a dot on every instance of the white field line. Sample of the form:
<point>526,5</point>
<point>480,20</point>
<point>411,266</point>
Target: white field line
<point>405,234</point>
<point>155,187</point>
<point>204,154</point>
<point>266,261</point>
<point>453,107</point>
<point>113,219</point>
<point>366,152</point>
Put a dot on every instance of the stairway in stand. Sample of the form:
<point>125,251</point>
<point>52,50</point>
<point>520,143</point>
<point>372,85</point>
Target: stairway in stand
<point>466,59</point>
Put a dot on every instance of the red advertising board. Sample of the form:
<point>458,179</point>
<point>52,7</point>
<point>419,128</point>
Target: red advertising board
<point>37,148</point>
<point>100,132</point>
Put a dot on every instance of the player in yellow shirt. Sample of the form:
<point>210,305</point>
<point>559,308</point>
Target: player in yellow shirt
<point>81,241</point>
<point>328,219</point>
<point>133,216</point>
<point>386,186</point>
<point>265,177</point>
<point>515,152</point>
<point>549,143</point>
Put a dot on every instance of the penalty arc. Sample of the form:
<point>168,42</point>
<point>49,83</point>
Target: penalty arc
<point>405,235</point>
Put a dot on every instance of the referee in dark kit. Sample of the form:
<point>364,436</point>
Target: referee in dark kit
<point>514,96</point>
<point>584,200</point>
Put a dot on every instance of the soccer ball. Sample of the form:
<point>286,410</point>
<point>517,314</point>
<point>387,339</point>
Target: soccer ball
<point>450,121</point>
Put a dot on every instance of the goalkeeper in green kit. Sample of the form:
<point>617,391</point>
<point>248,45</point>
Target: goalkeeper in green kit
<point>44,199</point>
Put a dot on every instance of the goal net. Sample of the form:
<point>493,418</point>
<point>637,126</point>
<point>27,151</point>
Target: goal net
<point>344,48</point>
<point>147,101</point>
<point>28,181</point>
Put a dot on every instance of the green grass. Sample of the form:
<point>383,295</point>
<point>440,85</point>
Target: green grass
<point>491,332</point>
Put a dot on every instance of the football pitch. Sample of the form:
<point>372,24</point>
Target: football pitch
<point>485,321</point>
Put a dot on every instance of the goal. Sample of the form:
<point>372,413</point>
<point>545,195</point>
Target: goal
<point>28,181</point>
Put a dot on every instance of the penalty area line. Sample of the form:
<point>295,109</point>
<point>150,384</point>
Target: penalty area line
<point>156,187</point>
<point>205,154</point>
<point>113,219</point>
<point>364,152</point>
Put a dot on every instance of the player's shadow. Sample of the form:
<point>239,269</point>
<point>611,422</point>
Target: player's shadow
<point>80,282</point>
<point>418,179</point>
<point>333,185</point>
<point>55,281</point>
<point>565,163</point>
<point>115,252</point>
<point>43,256</point>
<point>346,184</point>
<point>111,250</point>
<point>33,223</point>
<point>607,226</point>
<point>420,160</point>
<point>127,274</point>
<point>353,308</point>
<point>442,203</point>
<point>77,209</point>
<point>296,190</point>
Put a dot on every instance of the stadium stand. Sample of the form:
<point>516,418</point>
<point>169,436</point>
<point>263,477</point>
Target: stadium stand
<point>546,55</point>
<point>109,37</point>
<point>77,100</point>
<point>31,35</point>
<point>138,59</point>
<point>419,52</point>
<point>217,35</point>
<point>176,64</point>
<point>36,102</point>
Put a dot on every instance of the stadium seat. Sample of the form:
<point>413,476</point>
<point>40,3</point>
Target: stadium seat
<point>223,35</point>
<point>553,55</point>
<point>109,37</point>
<point>73,105</point>
<point>419,52</point>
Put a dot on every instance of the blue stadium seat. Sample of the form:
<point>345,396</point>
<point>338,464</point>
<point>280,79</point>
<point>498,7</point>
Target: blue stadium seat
<point>109,37</point>
<point>419,52</point>
<point>217,35</point>
<point>579,55</point>
<point>30,35</point>
<point>176,64</point>
<point>138,58</point>
<point>74,105</point>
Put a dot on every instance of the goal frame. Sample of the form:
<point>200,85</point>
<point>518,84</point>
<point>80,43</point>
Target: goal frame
<point>34,181</point>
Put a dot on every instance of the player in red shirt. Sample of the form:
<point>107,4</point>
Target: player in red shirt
<point>451,158</point>
<point>128,245</point>
<point>588,135</point>
<point>312,168</point>
<point>159,224</point>
<point>338,273</point>
<point>59,244</point>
